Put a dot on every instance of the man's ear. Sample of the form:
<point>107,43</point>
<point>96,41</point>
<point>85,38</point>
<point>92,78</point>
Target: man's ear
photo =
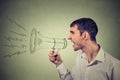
<point>85,35</point>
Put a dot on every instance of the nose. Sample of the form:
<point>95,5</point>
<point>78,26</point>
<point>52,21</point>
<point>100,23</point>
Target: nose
<point>69,37</point>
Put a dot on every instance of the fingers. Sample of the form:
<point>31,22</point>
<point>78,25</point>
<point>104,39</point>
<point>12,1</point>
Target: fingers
<point>55,58</point>
<point>52,56</point>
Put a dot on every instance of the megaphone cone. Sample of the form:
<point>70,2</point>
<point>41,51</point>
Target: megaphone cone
<point>37,40</point>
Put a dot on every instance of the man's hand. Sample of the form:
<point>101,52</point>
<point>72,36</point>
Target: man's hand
<point>55,58</point>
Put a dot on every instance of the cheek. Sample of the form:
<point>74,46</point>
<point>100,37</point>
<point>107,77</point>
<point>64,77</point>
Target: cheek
<point>79,42</point>
<point>78,39</point>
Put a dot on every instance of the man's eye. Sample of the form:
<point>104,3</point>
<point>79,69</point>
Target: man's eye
<point>71,32</point>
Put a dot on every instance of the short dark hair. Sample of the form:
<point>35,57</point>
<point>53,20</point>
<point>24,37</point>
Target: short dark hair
<point>86,24</point>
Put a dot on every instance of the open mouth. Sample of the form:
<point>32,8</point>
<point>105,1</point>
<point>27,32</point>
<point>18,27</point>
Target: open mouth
<point>73,44</point>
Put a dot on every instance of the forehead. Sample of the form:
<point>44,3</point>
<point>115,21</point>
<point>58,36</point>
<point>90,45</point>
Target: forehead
<point>74,28</point>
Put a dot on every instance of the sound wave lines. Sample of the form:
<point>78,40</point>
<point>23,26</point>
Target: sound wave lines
<point>16,53</point>
<point>18,25</point>
<point>20,34</point>
<point>12,39</point>
<point>16,41</point>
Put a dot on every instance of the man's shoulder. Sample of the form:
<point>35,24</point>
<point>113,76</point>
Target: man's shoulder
<point>112,60</point>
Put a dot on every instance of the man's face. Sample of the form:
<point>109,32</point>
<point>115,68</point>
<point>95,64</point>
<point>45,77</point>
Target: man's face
<point>76,38</point>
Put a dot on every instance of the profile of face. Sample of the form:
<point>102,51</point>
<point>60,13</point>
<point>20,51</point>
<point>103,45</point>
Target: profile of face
<point>76,38</point>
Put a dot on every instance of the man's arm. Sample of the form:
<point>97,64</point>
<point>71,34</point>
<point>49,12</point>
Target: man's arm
<point>116,72</point>
<point>63,72</point>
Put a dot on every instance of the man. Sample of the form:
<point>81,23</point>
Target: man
<point>93,63</point>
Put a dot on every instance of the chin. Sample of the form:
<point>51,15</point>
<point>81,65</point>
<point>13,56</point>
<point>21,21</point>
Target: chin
<point>75,49</point>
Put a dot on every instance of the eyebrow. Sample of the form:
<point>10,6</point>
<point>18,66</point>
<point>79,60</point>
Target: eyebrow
<point>72,32</point>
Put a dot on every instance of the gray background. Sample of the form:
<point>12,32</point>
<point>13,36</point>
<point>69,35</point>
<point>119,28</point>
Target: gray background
<point>51,18</point>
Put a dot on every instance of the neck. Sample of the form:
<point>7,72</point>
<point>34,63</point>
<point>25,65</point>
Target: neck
<point>91,51</point>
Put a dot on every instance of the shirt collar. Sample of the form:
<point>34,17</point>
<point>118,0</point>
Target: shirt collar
<point>99,58</point>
